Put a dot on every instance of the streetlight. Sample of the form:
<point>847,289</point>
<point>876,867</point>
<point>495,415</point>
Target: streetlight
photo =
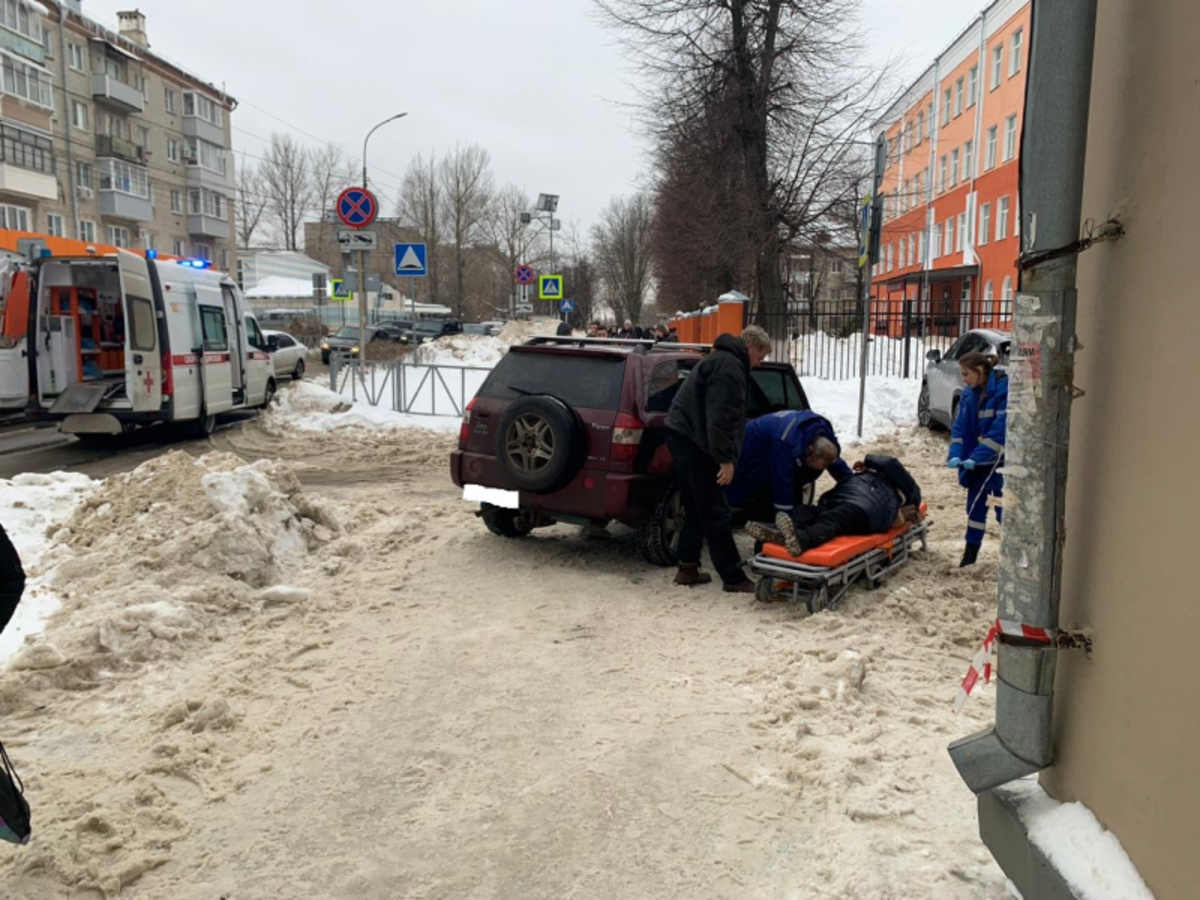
<point>362,259</point>
<point>368,137</point>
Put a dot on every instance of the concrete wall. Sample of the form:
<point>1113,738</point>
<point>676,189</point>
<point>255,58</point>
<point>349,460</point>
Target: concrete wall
<point>1128,733</point>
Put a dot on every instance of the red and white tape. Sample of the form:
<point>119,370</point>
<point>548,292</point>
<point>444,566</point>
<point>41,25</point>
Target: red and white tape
<point>981,663</point>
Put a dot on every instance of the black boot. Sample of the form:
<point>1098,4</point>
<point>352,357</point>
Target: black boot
<point>970,554</point>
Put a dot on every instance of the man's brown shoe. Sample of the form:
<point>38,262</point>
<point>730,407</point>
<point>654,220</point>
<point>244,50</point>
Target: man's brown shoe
<point>690,576</point>
<point>742,587</point>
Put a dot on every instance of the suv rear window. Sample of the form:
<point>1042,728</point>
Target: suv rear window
<point>589,382</point>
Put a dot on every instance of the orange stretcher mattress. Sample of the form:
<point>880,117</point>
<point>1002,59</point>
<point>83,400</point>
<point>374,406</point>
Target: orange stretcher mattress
<point>840,550</point>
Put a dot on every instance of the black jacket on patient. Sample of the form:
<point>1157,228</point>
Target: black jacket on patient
<point>878,492</point>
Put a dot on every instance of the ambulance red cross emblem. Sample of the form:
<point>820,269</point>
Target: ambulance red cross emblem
<point>149,382</point>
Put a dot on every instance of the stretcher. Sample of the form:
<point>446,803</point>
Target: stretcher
<point>822,576</point>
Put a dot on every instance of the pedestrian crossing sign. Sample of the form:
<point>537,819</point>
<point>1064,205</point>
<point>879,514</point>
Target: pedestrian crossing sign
<point>550,287</point>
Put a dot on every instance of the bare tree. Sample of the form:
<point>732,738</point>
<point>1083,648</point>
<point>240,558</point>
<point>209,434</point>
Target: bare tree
<point>784,78</point>
<point>289,187</point>
<point>331,171</point>
<point>510,235</point>
<point>621,242</point>
<point>579,274</point>
<point>252,202</point>
<point>419,207</point>
<point>467,190</point>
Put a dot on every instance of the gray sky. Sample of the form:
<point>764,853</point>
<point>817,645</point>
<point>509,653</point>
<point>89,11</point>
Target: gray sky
<point>539,84</point>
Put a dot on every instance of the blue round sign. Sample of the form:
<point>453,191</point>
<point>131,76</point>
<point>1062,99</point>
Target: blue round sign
<point>357,207</point>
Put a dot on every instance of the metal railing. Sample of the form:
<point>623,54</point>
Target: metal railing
<point>406,387</point>
<point>827,342</point>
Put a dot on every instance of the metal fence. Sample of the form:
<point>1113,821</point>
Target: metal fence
<point>827,342</point>
<point>405,387</point>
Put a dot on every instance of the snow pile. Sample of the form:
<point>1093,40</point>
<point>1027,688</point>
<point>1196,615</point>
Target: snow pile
<point>1088,856</point>
<point>307,408</point>
<point>30,507</point>
<point>891,405</point>
<point>163,556</point>
<point>463,349</point>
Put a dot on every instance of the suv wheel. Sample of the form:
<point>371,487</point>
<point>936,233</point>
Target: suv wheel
<point>509,523</point>
<point>658,539</point>
<point>539,444</point>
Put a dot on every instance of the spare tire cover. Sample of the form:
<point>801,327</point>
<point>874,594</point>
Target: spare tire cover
<point>540,444</point>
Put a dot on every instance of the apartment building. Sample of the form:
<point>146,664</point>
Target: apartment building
<point>951,231</point>
<point>105,140</point>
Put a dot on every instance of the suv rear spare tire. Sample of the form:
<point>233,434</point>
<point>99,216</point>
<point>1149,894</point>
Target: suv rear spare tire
<point>540,444</point>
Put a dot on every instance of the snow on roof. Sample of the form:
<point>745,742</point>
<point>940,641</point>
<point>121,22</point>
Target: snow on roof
<point>277,286</point>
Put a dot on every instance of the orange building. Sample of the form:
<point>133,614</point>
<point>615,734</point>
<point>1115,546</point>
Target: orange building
<point>951,225</point>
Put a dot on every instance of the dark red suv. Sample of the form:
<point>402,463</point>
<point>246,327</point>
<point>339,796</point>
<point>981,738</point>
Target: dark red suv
<point>574,432</point>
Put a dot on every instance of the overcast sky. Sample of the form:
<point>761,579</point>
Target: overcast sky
<point>538,83</point>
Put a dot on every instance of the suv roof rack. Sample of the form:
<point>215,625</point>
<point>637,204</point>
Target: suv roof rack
<point>638,345</point>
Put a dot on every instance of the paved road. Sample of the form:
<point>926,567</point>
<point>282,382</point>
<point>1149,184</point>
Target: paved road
<point>28,447</point>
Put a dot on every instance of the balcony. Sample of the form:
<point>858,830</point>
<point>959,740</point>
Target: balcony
<point>108,145</point>
<point>208,226</point>
<point>124,190</point>
<point>27,182</point>
<point>200,177</point>
<point>120,205</point>
<point>116,95</point>
<point>194,126</point>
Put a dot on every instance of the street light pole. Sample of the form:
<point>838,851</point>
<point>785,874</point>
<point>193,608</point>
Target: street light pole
<point>362,257</point>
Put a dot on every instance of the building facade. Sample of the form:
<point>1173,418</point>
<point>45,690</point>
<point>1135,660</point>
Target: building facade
<point>951,228</point>
<point>106,141</point>
<point>255,265</point>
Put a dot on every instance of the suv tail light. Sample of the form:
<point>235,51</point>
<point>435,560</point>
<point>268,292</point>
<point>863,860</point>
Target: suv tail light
<point>627,437</point>
<point>167,375</point>
<point>464,432</point>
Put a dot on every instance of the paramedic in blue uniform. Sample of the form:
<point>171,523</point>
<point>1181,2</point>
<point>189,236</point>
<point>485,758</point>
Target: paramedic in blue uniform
<point>977,444</point>
<point>12,579</point>
<point>785,451</point>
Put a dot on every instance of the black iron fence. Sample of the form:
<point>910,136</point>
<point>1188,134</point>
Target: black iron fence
<point>827,342</point>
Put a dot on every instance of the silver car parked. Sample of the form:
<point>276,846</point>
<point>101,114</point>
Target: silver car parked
<point>942,384</point>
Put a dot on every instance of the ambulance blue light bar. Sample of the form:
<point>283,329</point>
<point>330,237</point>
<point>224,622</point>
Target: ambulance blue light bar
<point>195,263</point>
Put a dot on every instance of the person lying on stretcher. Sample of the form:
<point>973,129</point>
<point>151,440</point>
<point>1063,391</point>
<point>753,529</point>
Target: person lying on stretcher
<point>880,495</point>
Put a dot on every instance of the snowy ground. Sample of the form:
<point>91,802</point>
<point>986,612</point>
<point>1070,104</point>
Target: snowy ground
<point>253,692</point>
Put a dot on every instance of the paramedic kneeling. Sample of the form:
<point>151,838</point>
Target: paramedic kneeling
<point>881,494</point>
<point>785,450</point>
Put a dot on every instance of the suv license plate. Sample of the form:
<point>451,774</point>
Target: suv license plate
<point>477,493</point>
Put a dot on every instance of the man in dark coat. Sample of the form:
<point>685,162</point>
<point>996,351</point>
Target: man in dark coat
<point>564,329</point>
<point>880,495</point>
<point>705,426</point>
<point>12,579</point>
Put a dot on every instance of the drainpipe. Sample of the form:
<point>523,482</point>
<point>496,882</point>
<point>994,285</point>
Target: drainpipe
<point>1054,141</point>
<point>66,117</point>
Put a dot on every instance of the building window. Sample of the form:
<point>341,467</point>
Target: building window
<point>85,176</point>
<point>203,251</point>
<point>28,82</point>
<point>954,167</point>
<point>176,203</point>
<point>86,229</point>
<point>1006,298</point>
<point>902,253</point>
<point>972,86</point>
<point>958,97</point>
<point>949,247</point>
<point>75,56</point>
<point>985,223</point>
<point>912,249</point>
<point>935,243</point>
<point>118,175</point>
<point>961,237</point>
<point>997,65</point>
<point>172,150</point>
<point>1002,218</point>
<point>990,162</point>
<point>989,301</point>
<point>177,247</point>
<point>1010,137</point>
<point>150,240</point>
<point>23,18</point>
<point>920,127</point>
<point>1017,216</point>
<point>118,236</point>
<point>169,100</point>
<point>206,155</point>
<point>917,189</point>
<point>17,218</point>
<point>79,116</point>
<point>143,138</point>
<point>224,260</point>
<point>921,246</point>
<point>941,174</point>
<point>26,150</point>
<point>207,203</point>
<point>1014,65</point>
<point>56,226</point>
<point>968,167</point>
<point>195,104</point>
<point>946,107</point>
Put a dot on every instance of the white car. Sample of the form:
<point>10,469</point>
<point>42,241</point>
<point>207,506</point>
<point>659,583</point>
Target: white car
<point>287,353</point>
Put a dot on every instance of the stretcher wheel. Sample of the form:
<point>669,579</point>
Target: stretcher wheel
<point>764,591</point>
<point>818,600</point>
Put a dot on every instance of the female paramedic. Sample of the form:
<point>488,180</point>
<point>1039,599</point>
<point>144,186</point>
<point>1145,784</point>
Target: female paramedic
<point>977,443</point>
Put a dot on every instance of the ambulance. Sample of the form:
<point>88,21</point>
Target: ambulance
<point>119,341</point>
